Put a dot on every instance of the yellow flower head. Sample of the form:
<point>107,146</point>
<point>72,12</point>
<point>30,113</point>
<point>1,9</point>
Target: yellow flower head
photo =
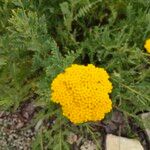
<point>147,45</point>
<point>83,93</point>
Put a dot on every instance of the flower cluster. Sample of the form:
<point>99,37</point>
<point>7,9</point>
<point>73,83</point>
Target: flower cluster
<point>147,45</point>
<point>83,93</point>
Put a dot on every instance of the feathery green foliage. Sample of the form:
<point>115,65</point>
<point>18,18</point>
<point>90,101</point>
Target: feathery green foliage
<point>39,39</point>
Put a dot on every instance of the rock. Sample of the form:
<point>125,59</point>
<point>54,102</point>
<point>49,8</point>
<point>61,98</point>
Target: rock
<point>27,111</point>
<point>117,117</point>
<point>120,143</point>
<point>88,145</point>
<point>19,125</point>
<point>146,121</point>
<point>116,123</point>
<point>72,138</point>
<point>2,113</point>
<point>78,142</point>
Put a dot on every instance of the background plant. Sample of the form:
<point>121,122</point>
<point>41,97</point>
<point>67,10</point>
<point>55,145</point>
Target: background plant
<point>40,38</point>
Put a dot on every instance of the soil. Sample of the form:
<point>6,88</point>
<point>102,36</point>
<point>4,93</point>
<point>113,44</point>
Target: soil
<point>17,132</point>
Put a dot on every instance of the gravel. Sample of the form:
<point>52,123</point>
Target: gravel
<point>13,134</point>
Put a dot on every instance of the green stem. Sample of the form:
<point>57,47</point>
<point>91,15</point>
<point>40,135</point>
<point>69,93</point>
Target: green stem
<point>41,140</point>
<point>60,134</point>
<point>93,136</point>
<point>132,90</point>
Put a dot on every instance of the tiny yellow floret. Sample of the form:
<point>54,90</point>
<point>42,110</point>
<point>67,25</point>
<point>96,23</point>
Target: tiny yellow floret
<point>147,45</point>
<point>83,93</point>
